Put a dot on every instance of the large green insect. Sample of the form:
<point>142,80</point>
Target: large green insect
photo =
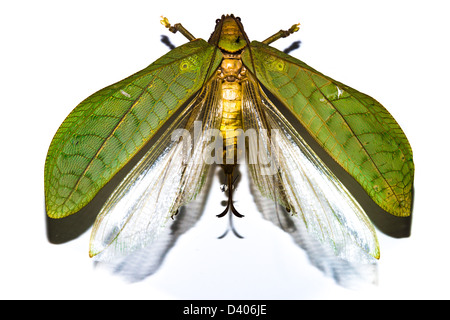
<point>316,147</point>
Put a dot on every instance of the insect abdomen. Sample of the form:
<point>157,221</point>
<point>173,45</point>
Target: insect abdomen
<point>231,119</point>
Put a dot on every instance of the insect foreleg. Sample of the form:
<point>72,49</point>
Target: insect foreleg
<point>282,34</point>
<point>177,27</point>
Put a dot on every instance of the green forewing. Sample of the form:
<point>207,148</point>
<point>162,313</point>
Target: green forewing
<point>356,130</point>
<point>108,128</point>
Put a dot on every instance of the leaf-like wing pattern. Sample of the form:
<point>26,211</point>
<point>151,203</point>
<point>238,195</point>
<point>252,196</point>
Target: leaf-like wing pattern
<point>356,130</point>
<point>170,175</point>
<point>108,128</point>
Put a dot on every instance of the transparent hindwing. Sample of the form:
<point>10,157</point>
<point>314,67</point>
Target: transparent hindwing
<point>169,175</point>
<point>285,169</point>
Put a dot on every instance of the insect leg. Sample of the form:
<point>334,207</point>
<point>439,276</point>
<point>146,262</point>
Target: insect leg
<point>282,34</point>
<point>177,27</point>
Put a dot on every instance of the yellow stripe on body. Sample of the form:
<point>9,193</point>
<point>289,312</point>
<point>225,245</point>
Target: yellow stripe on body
<point>231,119</point>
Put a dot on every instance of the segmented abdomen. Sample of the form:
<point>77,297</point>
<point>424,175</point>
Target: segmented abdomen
<point>231,119</point>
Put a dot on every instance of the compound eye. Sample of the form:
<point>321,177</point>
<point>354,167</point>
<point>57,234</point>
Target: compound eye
<point>217,21</point>
<point>238,19</point>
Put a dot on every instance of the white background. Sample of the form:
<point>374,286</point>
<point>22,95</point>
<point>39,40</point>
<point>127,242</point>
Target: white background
<point>56,53</point>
